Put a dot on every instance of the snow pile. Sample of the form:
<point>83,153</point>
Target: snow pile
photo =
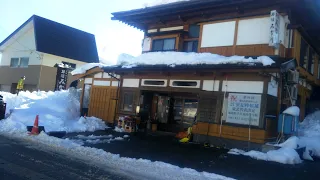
<point>139,167</point>
<point>117,129</point>
<point>118,138</point>
<point>293,111</point>
<point>309,138</point>
<point>161,2</point>
<point>92,139</point>
<point>84,68</point>
<point>310,127</point>
<point>283,155</point>
<point>58,111</point>
<point>181,58</point>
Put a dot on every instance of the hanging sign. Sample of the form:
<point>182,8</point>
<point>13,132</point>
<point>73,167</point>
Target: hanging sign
<point>61,78</point>
<point>274,29</point>
<point>244,109</point>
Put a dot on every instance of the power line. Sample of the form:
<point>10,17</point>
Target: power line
<point>16,40</point>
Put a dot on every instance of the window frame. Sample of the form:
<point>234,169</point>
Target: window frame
<point>194,43</point>
<point>70,64</point>
<point>123,101</point>
<point>19,62</point>
<point>163,39</point>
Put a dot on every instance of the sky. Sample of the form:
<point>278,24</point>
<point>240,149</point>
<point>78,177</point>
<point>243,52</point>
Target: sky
<point>93,16</point>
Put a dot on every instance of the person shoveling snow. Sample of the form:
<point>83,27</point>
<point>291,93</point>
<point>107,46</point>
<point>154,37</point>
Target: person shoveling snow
<point>58,111</point>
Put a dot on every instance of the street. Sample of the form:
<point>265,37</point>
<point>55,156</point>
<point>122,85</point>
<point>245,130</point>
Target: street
<point>19,161</point>
<point>165,149</point>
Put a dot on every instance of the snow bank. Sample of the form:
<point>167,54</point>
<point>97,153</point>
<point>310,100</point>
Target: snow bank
<point>161,2</point>
<point>181,58</point>
<point>293,111</point>
<point>140,167</point>
<point>58,111</point>
<point>84,68</point>
<point>117,129</point>
<point>310,127</point>
<point>283,155</point>
<point>309,138</point>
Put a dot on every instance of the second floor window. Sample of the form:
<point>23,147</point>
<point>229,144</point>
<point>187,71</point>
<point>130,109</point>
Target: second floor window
<point>164,44</point>
<point>72,66</point>
<point>190,46</point>
<point>22,62</point>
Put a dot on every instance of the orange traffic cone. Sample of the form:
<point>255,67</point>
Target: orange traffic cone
<point>35,129</point>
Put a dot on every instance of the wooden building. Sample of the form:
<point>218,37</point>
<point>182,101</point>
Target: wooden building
<point>201,95</point>
<point>99,94</point>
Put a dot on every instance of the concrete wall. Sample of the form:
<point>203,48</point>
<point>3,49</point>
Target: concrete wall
<point>9,75</point>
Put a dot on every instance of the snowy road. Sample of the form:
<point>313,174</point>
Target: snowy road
<point>19,162</point>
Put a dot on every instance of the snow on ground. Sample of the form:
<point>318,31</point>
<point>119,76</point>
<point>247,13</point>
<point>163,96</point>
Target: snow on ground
<point>92,139</point>
<point>161,2</point>
<point>309,137</point>
<point>58,111</point>
<point>126,136</point>
<point>117,129</point>
<point>139,167</point>
<point>310,127</point>
<point>84,68</point>
<point>282,155</point>
<point>181,58</point>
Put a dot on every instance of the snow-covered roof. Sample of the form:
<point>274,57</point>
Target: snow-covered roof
<point>181,58</point>
<point>161,2</point>
<point>175,59</point>
<point>84,68</point>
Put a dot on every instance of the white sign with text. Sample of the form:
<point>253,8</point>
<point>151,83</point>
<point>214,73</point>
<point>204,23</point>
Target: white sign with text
<point>244,109</point>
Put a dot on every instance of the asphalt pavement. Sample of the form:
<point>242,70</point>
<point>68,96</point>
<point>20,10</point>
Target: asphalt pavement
<point>20,161</point>
<point>195,156</point>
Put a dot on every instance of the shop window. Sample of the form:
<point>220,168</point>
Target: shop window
<point>189,111</point>
<point>153,83</point>
<point>127,103</point>
<point>185,83</point>
<point>304,54</point>
<point>190,46</point>
<point>164,44</point>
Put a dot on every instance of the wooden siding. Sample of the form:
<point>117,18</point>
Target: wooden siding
<point>243,50</point>
<point>224,50</point>
<point>231,132</point>
<point>254,50</point>
<point>103,102</point>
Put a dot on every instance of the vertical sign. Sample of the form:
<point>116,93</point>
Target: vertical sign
<point>61,78</point>
<point>244,109</point>
<point>274,29</point>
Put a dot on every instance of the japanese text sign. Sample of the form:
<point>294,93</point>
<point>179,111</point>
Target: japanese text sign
<point>274,29</point>
<point>244,109</point>
<point>61,79</point>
